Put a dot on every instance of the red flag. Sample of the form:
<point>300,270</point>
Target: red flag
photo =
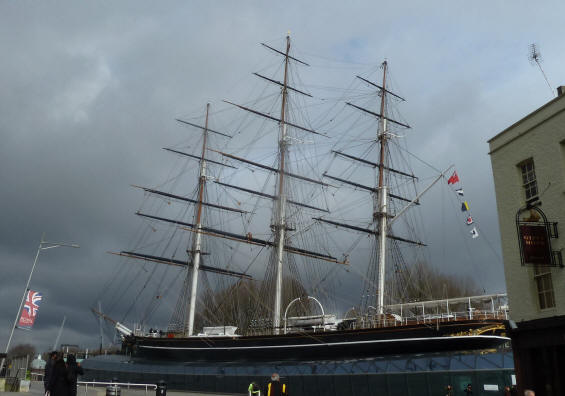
<point>453,179</point>
<point>29,312</point>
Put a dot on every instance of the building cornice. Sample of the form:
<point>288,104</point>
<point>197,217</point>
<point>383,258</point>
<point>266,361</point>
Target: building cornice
<point>543,111</point>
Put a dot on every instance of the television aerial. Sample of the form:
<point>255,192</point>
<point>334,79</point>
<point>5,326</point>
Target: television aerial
<point>535,57</point>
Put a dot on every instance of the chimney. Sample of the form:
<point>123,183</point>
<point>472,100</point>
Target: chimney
<point>560,90</point>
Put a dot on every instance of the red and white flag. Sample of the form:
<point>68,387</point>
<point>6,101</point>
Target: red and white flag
<point>31,306</point>
<point>453,179</point>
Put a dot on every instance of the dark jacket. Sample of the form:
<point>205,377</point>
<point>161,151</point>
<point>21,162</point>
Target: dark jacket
<point>58,381</point>
<point>276,388</point>
<point>48,370</point>
<point>73,370</point>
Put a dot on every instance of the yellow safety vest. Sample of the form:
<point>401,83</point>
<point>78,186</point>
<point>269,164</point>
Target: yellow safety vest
<point>269,389</point>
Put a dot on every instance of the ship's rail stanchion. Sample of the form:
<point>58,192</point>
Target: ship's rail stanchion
<point>114,388</point>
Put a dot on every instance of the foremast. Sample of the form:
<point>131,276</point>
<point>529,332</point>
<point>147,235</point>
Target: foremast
<point>197,240</point>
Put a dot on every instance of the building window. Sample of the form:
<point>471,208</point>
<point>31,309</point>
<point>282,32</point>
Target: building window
<point>542,277</point>
<point>529,179</point>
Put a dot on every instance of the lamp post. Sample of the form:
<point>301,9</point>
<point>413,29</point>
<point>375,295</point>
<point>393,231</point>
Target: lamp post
<point>43,245</point>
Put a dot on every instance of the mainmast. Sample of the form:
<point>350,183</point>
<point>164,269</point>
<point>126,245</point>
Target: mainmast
<point>197,241</point>
<point>281,223</point>
<point>381,198</point>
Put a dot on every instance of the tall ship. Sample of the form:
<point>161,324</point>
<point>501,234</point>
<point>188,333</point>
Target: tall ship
<point>279,214</point>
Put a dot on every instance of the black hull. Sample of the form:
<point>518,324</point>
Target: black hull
<point>411,374</point>
<point>319,346</point>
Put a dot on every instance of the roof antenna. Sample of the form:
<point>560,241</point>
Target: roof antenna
<point>535,56</point>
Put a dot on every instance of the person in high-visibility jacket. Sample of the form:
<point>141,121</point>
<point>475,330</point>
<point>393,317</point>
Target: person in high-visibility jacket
<point>254,389</point>
<point>275,387</point>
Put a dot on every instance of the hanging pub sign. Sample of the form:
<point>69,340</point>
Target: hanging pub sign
<point>534,236</point>
<point>536,248</point>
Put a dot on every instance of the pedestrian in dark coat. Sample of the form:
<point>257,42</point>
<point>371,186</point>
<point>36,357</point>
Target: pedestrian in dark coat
<point>73,370</point>
<point>59,382</point>
<point>468,390</point>
<point>49,368</point>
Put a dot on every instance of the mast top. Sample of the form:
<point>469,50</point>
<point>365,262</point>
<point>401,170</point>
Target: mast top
<point>285,54</point>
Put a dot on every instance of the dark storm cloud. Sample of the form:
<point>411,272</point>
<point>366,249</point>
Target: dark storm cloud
<point>89,91</point>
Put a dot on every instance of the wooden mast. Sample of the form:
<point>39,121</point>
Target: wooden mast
<point>381,205</point>
<point>197,244</point>
<point>281,226</point>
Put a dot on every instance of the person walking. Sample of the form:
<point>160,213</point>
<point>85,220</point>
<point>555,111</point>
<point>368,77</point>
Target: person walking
<point>73,370</point>
<point>49,369</point>
<point>468,390</point>
<point>275,388</point>
<point>58,381</point>
<point>254,389</point>
<point>448,390</point>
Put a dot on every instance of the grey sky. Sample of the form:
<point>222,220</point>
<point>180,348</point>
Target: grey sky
<point>89,92</point>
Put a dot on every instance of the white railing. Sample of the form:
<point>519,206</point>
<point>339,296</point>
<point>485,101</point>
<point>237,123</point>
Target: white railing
<point>489,306</point>
<point>387,320</point>
<point>126,385</point>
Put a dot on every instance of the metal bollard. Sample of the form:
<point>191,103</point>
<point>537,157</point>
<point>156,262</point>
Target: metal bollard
<point>161,389</point>
<point>113,390</point>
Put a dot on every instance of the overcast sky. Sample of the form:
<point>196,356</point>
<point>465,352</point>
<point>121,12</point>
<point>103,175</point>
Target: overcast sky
<point>89,92</point>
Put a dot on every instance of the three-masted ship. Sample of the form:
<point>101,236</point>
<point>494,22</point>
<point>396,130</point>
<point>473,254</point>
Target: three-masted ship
<point>375,328</point>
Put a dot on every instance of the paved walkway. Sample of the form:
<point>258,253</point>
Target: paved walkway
<point>36,389</point>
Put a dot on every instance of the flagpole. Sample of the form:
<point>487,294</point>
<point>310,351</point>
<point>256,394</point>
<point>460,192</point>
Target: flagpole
<point>39,249</point>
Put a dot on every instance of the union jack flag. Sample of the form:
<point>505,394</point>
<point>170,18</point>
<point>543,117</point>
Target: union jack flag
<point>29,312</point>
<point>32,302</point>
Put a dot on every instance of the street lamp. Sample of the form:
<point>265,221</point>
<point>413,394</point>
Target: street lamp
<point>43,245</point>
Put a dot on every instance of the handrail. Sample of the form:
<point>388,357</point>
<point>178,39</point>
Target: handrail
<point>372,321</point>
<point>115,384</point>
<point>454,300</point>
